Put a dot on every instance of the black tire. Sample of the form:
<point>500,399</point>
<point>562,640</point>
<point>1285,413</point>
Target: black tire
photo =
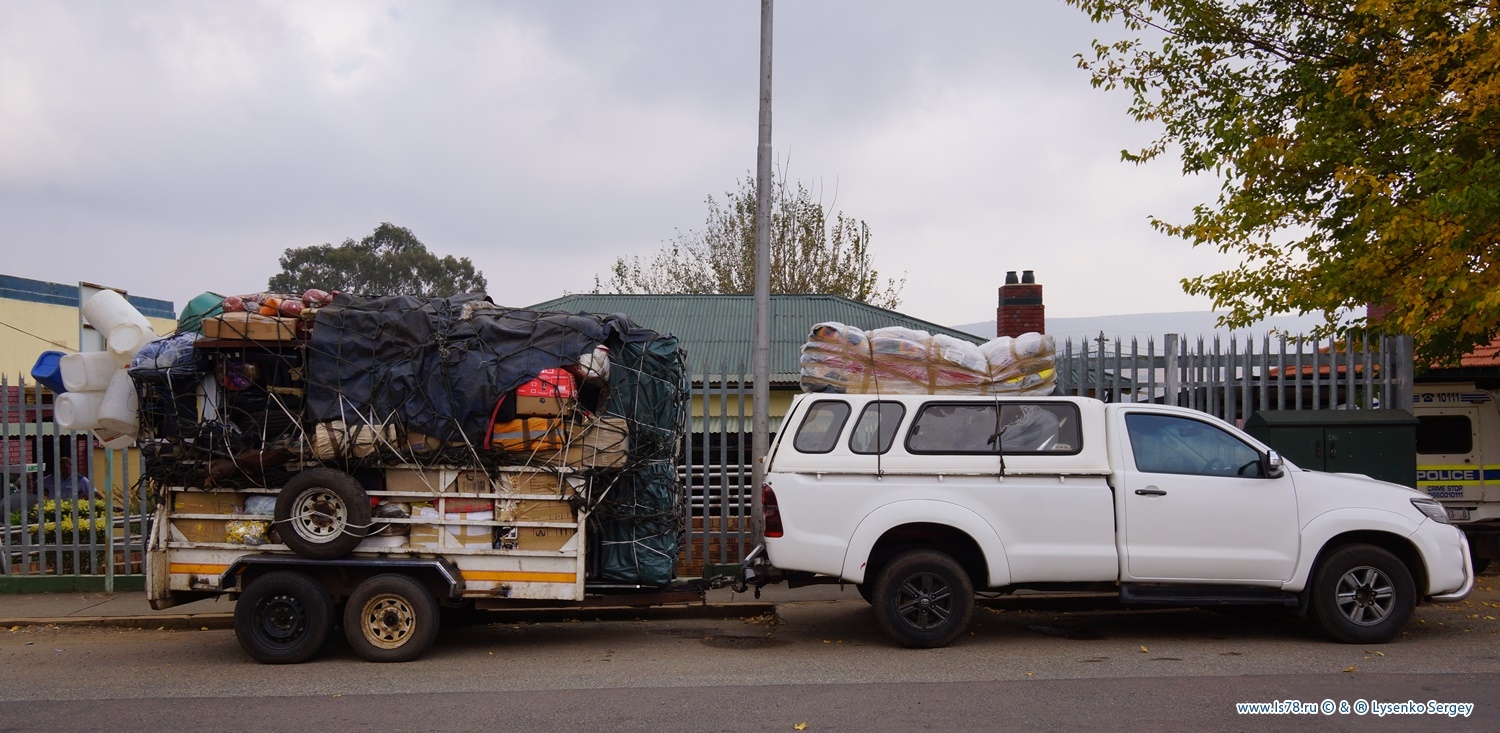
<point>390,618</point>
<point>1362,594</point>
<point>923,599</point>
<point>322,514</point>
<point>283,617</point>
<point>1481,564</point>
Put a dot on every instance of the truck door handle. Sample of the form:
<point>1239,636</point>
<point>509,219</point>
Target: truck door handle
<point>1150,492</point>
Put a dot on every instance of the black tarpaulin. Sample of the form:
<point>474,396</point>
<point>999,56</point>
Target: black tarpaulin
<point>438,365</point>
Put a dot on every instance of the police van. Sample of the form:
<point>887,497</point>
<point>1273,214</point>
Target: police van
<point>1458,459</point>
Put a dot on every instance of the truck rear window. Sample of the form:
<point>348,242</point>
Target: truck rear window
<point>819,431</point>
<point>971,427</point>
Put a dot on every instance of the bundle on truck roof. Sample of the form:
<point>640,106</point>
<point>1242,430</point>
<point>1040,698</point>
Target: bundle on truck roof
<point>396,453</point>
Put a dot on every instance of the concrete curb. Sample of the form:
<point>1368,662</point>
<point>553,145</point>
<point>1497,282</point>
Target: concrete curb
<point>211,621</point>
<point>179,622</point>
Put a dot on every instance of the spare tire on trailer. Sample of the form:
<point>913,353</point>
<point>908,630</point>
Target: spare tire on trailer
<point>322,514</point>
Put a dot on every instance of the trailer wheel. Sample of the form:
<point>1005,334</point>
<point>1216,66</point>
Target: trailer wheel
<point>923,599</point>
<point>390,618</point>
<point>1362,594</point>
<point>283,617</point>
<point>322,514</point>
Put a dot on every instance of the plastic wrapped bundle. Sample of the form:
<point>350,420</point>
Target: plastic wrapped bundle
<point>896,360</point>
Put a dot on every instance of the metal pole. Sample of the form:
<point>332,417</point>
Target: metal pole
<point>1172,375</point>
<point>761,399</point>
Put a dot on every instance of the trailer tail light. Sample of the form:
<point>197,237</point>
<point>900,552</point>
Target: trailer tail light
<point>771,510</point>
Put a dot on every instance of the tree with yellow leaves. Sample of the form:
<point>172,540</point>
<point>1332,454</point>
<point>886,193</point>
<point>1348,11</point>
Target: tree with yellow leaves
<point>1358,145</point>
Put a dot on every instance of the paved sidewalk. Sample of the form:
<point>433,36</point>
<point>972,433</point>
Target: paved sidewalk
<point>131,609</point>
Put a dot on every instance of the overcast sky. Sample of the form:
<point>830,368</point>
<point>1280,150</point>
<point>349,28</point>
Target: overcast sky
<point>174,147</point>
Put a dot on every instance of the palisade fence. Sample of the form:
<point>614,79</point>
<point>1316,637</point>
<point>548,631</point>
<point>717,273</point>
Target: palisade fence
<point>716,469</point>
<point>1229,377</point>
<point>1232,378</point>
<point>86,541</point>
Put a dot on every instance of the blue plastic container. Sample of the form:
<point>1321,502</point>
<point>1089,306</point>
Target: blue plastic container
<point>47,371</point>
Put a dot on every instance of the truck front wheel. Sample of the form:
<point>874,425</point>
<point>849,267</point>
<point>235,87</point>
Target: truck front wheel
<point>390,618</point>
<point>1362,594</point>
<point>283,617</point>
<point>923,599</point>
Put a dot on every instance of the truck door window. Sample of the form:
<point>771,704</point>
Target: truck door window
<point>819,431</point>
<point>1171,444</point>
<point>972,428</point>
<point>1444,434</point>
<point>877,419</point>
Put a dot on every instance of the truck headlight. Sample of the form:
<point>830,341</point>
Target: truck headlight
<point>1432,509</point>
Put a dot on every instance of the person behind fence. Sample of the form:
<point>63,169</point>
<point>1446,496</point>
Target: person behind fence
<point>18,498</point>
<point>64,484</point>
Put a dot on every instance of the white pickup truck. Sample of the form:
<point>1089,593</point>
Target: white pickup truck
<point>920,500</point>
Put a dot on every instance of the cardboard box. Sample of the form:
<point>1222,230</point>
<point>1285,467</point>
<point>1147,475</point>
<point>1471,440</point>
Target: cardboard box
<point>207,502</point>
<point>530,482</point>
<point>533,510</point>
<point>603,442</point>
<point>544,406</point>
<point>438,537</point>
<point>251,326</point>
<point>420,481</point>
<point>200,530</point>
<point>534,538</point>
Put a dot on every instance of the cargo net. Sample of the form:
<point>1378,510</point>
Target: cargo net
<point>361,384</point>
<point>895,360</point>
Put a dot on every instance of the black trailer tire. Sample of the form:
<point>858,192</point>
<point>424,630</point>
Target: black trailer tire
<point>923,599</point>
<point>1362,594</point>
<point>390,618</point>
<point>283,617</point>
<point>322,514</point>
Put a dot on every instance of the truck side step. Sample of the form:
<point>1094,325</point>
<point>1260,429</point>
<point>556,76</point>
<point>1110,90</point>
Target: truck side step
<point>1204,595</point>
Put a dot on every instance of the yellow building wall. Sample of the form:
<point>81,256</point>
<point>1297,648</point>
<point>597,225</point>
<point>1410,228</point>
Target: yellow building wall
<point>31,328</point>
<point>781,401</point>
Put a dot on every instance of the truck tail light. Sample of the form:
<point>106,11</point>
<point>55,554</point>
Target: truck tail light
<point>772,511</point>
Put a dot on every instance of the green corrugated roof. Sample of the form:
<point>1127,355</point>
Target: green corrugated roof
<point>717,333</point>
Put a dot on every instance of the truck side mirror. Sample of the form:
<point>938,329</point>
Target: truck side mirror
<point>1273,464</point>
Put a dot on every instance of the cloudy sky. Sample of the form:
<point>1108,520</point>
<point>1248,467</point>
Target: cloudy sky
<point>174,147</point>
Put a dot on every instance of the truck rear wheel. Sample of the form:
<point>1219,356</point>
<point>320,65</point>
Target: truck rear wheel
<point>923,599</point>
<point>1362,594</point>
<point>390,618</point>
<point>283,617</point>
<point>322,514</point>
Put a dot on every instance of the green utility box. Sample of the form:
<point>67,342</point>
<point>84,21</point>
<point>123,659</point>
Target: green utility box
<point>1380,444</point>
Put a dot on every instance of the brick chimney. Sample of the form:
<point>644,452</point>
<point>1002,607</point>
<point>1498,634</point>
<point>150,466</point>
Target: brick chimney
<point>1021,308</point>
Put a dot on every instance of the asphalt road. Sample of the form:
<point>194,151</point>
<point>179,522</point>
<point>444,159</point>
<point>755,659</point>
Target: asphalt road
<point>822,664</point>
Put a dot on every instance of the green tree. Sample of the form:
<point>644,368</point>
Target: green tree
<point>1357,142</point>
<point>809,253</point>
<point>390,261</point>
